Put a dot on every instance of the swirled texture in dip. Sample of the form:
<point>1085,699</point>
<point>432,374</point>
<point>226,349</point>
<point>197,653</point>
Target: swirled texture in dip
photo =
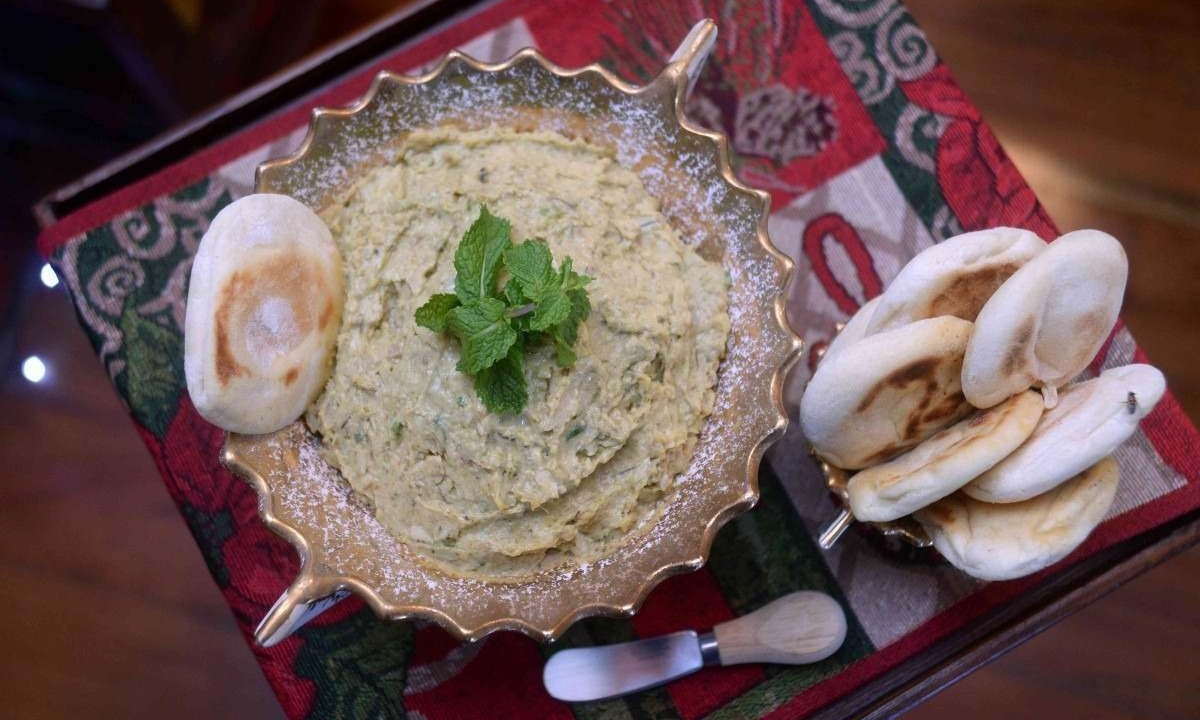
<point>594,454</point>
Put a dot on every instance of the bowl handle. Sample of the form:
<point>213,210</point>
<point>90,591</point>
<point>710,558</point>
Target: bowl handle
<point>685,64</point>
<point>296,606</point>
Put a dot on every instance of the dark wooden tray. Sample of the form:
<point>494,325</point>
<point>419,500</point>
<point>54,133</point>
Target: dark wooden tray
<point>886,696</point>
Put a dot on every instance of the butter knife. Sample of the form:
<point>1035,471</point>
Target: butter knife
<point>796,629</point>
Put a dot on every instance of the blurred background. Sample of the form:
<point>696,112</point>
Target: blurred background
<point>109,611</point>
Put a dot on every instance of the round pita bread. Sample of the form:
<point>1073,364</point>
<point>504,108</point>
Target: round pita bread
<point>264,303</point>
<point>893,390</point>
<point>955,277</point>
<point>945,462</point>
<point>1046,322</point>
<point>1091,419</point>
<point>1001,542</point>
<point>854,330</point>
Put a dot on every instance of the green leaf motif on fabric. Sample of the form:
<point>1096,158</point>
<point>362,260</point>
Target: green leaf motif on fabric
<point>194,192</point>
<point>358,666</point>
<point>153,377</point>
<point>211,530</point>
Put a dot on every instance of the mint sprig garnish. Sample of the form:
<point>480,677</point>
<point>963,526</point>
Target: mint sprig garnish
<point>496,325</point>
<point>433,314</point>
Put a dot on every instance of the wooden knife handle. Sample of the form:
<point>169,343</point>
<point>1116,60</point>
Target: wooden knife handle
<point>800,628</point>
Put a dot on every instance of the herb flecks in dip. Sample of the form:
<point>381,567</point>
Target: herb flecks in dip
<point>594,453</point>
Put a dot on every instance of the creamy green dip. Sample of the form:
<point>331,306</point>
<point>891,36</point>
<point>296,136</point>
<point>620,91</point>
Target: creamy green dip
<point>595,453</point>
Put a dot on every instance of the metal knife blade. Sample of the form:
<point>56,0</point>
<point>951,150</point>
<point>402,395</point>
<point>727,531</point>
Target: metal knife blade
<point>596,673</point>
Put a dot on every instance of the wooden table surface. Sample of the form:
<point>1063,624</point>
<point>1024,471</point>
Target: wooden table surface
<point>111,613</point>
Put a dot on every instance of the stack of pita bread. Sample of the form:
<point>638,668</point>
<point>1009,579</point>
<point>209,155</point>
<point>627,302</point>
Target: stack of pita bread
<point>944,395</point>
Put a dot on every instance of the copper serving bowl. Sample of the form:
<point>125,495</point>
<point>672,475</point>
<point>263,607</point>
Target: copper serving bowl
<point>342,546</point>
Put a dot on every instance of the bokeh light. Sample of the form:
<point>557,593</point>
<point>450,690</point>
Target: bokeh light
<point>33,369</point>
<point>49,277</point>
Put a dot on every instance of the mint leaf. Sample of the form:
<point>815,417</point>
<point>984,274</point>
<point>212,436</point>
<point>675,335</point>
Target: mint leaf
<point>554,308</point>
<point>581,305</point>
<point>567,332</point>
<point>513,295</point>
<point>564,354</point>
<point>570,280</point>
<point>531,269</point>
<point>501,387</point>
<point>485,333</point>
<point>433,313</point>
<point>477,260</point>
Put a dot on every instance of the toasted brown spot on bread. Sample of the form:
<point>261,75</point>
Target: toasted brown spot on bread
<point>326,315</point>
<point>293,279</point>
<point>1088,326</point>
<point>915,430</point>
<point>241,335</point>
<point>1014,361</point>
<point>921,370</point>
<point>947,410</point>
<point>966,295</point>
<point>290,376</point>
<point>918,371</point>
<point>227,366</point>
<point>979,419</point>
<point>922,397</point>
<point>951,407</point>
<point>1092,324</point>
<point>886,453</point>
<point>912,428</point>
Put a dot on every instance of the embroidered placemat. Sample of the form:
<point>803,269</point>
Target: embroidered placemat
<point>842,110</point>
